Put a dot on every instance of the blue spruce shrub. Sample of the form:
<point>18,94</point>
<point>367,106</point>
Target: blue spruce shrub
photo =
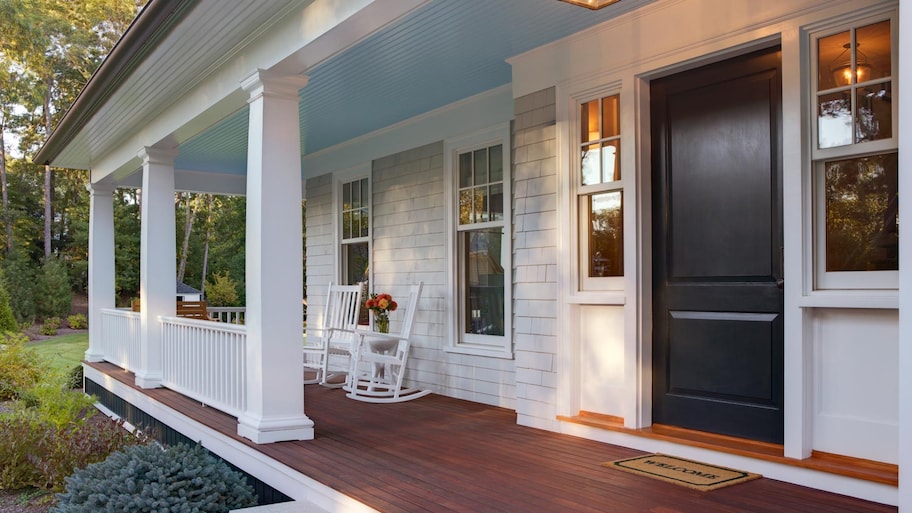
<point>148,478</point>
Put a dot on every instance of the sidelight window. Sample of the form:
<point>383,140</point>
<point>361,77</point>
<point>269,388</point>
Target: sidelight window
<point>855,172</point>
<point>599,195</point>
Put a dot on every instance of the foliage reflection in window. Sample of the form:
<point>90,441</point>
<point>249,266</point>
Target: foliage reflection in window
<point>862,214</point>
<point>606,236</point>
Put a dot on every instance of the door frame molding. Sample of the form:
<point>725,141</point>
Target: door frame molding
<point>637,297</point>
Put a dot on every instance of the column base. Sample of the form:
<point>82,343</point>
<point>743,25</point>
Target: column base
<point>148,379</point>
<point>281,429</point>
<point>93,356</point>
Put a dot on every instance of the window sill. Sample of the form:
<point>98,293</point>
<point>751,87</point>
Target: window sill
<point>850,299</point>
<point>480,351</point>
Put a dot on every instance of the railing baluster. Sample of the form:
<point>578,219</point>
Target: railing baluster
<point>203,362</point>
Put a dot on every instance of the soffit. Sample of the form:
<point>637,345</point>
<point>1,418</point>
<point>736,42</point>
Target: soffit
<point>442,52</point>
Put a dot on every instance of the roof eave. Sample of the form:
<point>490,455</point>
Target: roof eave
<point>153,23</point>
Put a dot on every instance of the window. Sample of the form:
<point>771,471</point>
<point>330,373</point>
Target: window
<point>600,195</point>
<point>355,228</point>
<point>482,243</point>
<point>855,171</point>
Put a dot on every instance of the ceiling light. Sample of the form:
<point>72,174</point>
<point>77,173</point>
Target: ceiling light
<point>842,66</point>
<point>591,4</point>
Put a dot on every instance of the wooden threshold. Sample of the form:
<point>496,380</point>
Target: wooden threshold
<point>857,468</point>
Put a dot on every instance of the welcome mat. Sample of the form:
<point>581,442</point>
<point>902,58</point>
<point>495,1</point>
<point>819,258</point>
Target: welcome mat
<point>691,474</point>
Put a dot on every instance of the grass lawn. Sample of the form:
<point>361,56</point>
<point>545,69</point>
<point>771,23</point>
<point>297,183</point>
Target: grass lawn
<point>63,352</point>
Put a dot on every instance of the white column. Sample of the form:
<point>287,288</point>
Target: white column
<point>905,259</point>
<point>157,267</point>
<point>275,380</point>
<point>101,264</point>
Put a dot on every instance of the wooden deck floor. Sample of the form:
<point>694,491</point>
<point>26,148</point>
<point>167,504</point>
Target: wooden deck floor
<point>438,454</point>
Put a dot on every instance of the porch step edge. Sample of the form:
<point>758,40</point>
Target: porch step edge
<point>848,466</point>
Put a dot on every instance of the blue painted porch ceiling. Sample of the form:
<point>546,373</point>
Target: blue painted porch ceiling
<point>445,51</point>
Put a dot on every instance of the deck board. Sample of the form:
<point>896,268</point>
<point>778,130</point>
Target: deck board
<point>439,454</point>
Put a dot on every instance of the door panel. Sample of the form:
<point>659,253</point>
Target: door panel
<point>717,238</point>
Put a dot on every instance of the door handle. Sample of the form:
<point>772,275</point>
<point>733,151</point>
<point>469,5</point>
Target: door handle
<point>780,283</point>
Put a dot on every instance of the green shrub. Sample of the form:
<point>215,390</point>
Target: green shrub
<point>78,321</point>
<point>40,454</point>
<point>50,326</point>
<point>148,478</point>
<point>74,379</point>
<point>53,296</point>
<point>222,291</point>
<point>59,405</point>
<point>20,367</point>
<point>19,278</point>
<point>7,318</point>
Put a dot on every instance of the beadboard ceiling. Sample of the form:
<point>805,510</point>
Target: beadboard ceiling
<point>440,52</point>
<point>445,51</point>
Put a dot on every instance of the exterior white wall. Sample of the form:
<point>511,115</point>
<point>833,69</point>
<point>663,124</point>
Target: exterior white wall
<point>535,257</point>
<point>320,248</point>
<point>856,383</point>
<point>408,246</point>
<point>602,361</point>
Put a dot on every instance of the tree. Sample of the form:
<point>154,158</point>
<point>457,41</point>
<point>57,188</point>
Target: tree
<point>56,45</point>
<point>7,319</point>
<point>53,297</point>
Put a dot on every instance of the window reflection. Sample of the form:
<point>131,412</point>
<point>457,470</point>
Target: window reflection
<point>606,235</point>
<point>862,214</point>
<point>484,281</point>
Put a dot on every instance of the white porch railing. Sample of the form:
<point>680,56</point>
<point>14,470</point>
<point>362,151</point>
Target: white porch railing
<point>205,360</point>
<point>227,314</point>
<point>121,338</point>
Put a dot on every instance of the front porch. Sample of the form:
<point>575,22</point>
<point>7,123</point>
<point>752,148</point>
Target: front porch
<point>441,454</point>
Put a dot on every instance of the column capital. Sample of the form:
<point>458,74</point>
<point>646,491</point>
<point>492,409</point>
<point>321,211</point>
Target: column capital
<point>268,83</point>
<point>100,189</point>
<point>153,155</point>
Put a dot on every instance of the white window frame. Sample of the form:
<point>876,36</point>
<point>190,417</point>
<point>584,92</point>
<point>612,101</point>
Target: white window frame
<point>339,179</point>
<point>464,343</point>
<point>824,280</point>
<point>579,249</point>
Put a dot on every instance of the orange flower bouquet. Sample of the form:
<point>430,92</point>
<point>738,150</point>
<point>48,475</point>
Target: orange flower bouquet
<point>381,305</point>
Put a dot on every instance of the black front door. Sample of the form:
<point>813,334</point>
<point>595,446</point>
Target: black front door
<point>717,248</point>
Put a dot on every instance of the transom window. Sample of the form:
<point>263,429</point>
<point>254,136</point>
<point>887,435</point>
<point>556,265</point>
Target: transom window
<point>855,168</point>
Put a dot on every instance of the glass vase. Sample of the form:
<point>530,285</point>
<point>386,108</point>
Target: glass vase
<point>382,323</point>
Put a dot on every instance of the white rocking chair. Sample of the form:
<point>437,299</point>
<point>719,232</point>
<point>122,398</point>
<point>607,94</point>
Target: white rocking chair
<point>328,351</point>
<point>379,362</point>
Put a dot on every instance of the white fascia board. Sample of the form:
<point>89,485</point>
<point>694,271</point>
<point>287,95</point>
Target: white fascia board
<point>204,182</point>
<point>649,38</point>
<point>475,113</point>
<point>319,31</point>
